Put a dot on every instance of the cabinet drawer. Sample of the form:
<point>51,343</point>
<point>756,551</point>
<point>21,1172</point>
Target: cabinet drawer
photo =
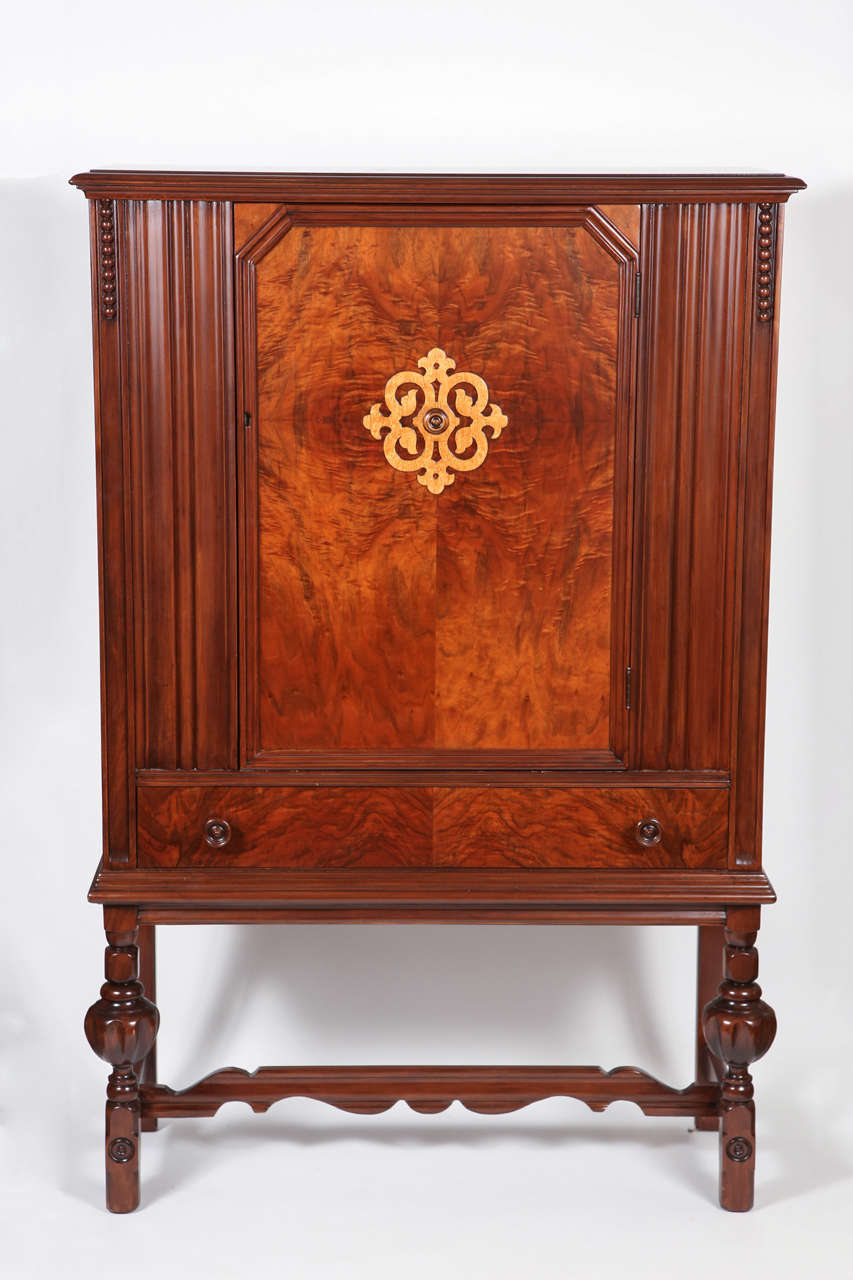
<point>473,826</point>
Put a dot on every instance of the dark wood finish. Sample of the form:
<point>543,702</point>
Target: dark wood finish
<point>369,1090</point>
<point>164,914</point>
<point>709,972</point>
<point>146,1070</point>
<point>739,1028</point>
<point>332,695</point>
<point>180,424</point>
<point>695,307</point>
<point>431,826</point>
<point>451,888</point>
<point>756,484</point>
<point>413,777</point>
<point>419,188</point>
<point>113,505</point>
<point>121,1028</point>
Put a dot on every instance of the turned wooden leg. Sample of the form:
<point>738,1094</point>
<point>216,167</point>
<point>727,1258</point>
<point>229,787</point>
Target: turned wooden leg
<point>739,1028</point>
<point>121,1027</point>
<point>709,971</point>
<point>146,1070</point>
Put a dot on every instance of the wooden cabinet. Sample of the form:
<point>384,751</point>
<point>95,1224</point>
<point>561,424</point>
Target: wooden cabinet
<point>434,526</point>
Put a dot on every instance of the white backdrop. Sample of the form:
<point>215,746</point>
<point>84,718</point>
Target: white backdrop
<point>467,86</point>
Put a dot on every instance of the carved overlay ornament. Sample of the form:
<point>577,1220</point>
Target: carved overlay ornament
<point>434,422</point>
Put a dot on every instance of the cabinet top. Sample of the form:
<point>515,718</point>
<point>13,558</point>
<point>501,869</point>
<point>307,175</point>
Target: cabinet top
<point>437,188</point>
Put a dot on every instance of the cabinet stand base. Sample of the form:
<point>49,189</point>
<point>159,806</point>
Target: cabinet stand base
<point>734,1028</point>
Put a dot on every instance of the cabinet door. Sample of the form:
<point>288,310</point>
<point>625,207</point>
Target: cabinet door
<point>435,489</point>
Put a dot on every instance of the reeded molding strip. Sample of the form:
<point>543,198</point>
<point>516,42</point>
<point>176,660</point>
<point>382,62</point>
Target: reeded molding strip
<point>488,1090</point>
<point>430,423</point>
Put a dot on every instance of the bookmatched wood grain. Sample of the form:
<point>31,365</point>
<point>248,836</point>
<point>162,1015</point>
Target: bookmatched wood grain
<point>464,827</point>
<point>382,618</point>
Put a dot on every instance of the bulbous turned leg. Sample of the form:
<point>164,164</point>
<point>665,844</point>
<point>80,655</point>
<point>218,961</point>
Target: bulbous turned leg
<point>121,1027</point>
<point>739,1028</point>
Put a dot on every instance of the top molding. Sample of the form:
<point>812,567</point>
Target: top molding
<point>420,188</point>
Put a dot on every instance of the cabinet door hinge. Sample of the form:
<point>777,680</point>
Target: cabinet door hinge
<point>638,292</point>
<point>627,688</point>
<point>247,419</point>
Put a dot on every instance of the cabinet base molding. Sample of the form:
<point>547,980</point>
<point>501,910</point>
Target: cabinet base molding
<point>452,894</point>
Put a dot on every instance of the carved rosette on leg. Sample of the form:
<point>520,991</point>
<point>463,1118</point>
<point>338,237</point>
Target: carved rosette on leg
<point>739,1028</point>
<point>121,1027</point>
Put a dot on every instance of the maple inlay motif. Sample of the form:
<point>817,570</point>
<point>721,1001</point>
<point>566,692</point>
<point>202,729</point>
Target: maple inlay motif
<point>434,422</point>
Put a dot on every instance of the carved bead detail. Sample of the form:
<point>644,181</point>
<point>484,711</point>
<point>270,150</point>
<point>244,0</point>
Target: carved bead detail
<point>107,258</point>
<point>765,266</point>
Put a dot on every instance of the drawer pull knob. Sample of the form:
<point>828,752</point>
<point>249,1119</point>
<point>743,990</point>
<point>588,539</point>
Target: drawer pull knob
<point>217,832</point>
<point>648,832</point>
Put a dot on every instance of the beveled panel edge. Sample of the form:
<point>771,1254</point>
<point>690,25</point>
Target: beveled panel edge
<point>453,890</point>
<point>440,187</point>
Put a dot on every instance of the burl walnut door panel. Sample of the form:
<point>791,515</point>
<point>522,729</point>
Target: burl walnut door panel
<point>417,827</point>
<point>480,619</point>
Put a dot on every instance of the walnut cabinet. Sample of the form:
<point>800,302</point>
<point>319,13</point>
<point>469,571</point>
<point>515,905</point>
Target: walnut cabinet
<point>433,527</point>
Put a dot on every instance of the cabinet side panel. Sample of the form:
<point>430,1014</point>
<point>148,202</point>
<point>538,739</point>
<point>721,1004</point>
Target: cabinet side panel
<point>692,372</point>
<point>180,407</point>
<point>761,326</point>
<point>113,539</point>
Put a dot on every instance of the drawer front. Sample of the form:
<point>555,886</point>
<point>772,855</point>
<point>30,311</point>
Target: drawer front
<point>374,827</point>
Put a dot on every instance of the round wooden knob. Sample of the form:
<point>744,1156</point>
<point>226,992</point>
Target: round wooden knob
<point>217,832</point>
<point>648,832</point>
